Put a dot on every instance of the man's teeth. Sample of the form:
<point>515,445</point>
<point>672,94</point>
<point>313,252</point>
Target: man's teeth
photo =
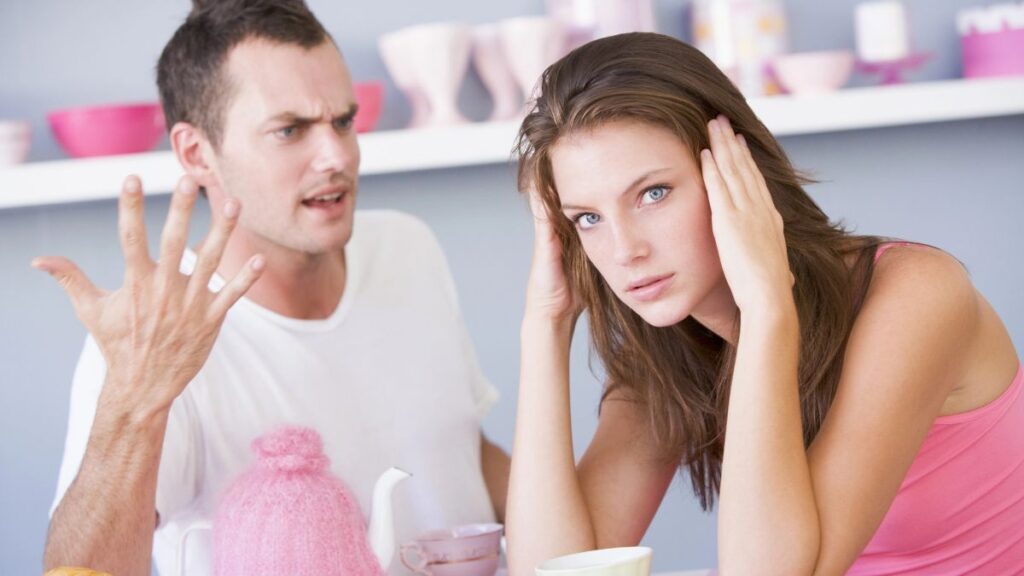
<point>327,198</point>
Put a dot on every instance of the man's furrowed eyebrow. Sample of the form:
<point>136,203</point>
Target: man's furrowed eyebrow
<point>632,186</point>
<point>293,118</point>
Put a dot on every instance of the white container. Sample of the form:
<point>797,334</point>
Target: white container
<point>742,37</point>
<point>882,33</point>
<point>15,141</point>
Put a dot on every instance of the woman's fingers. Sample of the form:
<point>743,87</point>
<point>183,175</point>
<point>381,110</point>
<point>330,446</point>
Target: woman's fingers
<point>237,287</point>
<point>718,190</point>
<point>175,234</point>
<point>731,164</point>
<point>212,250</point>
<point>84,295</point>
<point>759,181</point>
<point>131,226</point>
<point>724,164</point>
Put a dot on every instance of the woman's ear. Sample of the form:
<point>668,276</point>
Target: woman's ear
<point>194,153</point>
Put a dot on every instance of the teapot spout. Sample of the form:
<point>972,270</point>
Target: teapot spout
<point>382,525</point>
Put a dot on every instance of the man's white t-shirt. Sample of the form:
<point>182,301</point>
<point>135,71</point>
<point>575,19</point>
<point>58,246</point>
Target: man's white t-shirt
<point>389,379</point>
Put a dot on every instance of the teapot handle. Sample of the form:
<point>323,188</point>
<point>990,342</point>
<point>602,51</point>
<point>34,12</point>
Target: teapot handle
<point>413,548</point>
<point>183,539</point>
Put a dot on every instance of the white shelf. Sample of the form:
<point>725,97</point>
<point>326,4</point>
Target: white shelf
<point>395,151</point>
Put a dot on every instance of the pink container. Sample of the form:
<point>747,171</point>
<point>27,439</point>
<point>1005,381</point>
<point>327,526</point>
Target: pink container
<point>994,53</point>
<point>369,97</point>
<point>466,550</point>
<point>107,130</point>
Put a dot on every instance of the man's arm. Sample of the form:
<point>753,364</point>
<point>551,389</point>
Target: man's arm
<point>496,468</point>
<point>155,333</point>
<point>107,516</point>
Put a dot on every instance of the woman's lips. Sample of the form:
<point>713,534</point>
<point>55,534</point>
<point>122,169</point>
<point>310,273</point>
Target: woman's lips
<point>652,289</point>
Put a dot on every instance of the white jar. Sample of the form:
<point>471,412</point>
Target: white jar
<point>742,37</point>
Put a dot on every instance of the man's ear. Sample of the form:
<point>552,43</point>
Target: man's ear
<point>194,153</point>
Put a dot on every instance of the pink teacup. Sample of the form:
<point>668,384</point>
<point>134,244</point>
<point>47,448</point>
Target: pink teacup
<point>466,550</point>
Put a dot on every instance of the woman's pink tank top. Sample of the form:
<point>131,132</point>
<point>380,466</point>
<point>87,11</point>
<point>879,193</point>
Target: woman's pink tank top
<point>960,508</point>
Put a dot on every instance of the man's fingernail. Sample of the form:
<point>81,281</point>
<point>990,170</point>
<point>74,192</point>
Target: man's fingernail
<point>258,262</point>
<point>231,208</point>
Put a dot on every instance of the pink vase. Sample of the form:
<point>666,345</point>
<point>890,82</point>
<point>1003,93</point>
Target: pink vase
<point>395,51</point>
<point>490,63</point>
<point>531,44</point>
<point>437,56</point>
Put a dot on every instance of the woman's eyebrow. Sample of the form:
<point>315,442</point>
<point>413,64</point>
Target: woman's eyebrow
<point>632,186</point>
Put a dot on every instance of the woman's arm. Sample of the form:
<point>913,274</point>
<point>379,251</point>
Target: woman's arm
<point>767,520</point>
<point>910,345</point>
<point>553,507</point>
<point>784,511</point>
<point>556,507</point>
<point>547,514</point>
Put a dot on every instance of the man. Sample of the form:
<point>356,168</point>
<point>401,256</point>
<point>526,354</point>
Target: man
<point>352,328</point>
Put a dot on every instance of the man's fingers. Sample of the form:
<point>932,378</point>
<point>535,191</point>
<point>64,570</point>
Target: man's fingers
<point>213,247</point>
<point>131,226</point>
<point>175,234</point>
<point>79,288</point>
<point>238,286</point>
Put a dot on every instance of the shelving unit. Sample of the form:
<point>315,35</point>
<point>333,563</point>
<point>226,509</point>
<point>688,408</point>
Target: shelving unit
<point>66,181</point>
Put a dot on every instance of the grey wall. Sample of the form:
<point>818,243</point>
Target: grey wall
<point>957,185</point>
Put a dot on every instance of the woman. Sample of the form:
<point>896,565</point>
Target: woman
<point>851,411</point>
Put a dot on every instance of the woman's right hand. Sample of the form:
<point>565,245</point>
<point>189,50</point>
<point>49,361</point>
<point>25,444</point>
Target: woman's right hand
<point>549,296</point>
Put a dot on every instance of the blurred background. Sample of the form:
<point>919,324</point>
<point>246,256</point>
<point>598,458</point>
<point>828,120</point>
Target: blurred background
<point>956,184</point>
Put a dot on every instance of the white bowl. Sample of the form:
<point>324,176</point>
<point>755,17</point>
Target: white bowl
<point>814,72</point>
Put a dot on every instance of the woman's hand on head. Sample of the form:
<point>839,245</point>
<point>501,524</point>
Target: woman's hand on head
<point>549,296</point>
<point>748,229</point>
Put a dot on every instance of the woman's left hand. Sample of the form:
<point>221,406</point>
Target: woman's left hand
<point>746,225</point>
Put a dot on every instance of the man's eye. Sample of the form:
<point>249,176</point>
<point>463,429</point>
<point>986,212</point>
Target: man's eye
<point>344,123</point>
<point>654,194</point>
<point>587,220</point>
<point>288,132</point>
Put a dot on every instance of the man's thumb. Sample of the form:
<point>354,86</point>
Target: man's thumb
<point>78,287</point>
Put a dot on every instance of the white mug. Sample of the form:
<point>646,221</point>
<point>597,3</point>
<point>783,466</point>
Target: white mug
<point>195,526</point>
<point>627,561</point>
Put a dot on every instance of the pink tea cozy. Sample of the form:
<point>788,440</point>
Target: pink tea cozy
<point>289,515</point>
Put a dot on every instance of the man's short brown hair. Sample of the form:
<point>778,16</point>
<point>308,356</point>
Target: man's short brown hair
<point>194,86</point>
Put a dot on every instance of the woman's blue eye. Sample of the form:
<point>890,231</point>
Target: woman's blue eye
<point>654,194</point>
<point>343,123</point>
<point>587,220</point>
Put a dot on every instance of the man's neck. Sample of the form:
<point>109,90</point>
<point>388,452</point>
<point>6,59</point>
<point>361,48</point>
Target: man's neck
<point>293,284</point>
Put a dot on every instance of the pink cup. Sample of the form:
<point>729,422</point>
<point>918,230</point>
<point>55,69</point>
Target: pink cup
<point>466,550</point>
<point>993,54</point>
<point>369,97</point>
<point>107,130</point>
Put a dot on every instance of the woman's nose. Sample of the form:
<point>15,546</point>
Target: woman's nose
<point>630,245</point>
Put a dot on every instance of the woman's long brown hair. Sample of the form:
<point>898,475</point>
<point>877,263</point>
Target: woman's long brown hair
<point>680,374</point>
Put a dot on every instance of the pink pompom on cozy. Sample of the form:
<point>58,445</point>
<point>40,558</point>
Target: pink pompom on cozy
<point>289,515</point>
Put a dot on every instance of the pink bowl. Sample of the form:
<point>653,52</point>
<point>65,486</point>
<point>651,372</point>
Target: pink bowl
<point>107,130</point>
<point>814,72</point>
<point>369,97</point>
